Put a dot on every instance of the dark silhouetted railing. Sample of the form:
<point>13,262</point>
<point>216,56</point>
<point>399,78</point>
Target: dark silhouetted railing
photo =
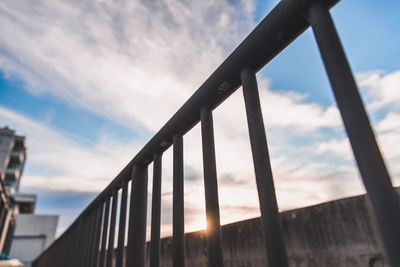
<point>84,243</point>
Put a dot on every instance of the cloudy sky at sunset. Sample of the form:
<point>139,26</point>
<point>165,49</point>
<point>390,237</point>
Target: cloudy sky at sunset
<point>90,82</point>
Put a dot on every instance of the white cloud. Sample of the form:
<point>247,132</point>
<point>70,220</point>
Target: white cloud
<point>382,88</point>
<point>120,59</point>
<point>390,123</point>
<point>339,148</point>
<point>57,161</point>
<point>388,132</point>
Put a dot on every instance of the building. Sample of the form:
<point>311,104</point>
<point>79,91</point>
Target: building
<point>12,158</point>
<point>12,161</point>
<point>30,233</point>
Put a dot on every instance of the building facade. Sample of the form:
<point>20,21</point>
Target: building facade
<point>33,234</point>
<point>12,158</point>
<point>27,234</point>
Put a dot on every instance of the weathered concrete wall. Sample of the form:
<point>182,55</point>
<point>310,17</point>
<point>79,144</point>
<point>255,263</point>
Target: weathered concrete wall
<point>338,233</point>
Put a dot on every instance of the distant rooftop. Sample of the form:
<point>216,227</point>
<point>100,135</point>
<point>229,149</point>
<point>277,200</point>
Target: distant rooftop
<point>7,131</point>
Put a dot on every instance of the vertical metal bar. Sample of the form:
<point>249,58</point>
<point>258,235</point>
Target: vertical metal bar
<point>214,246</point>
<point>89,239</point>
<point>68,245</point>
<point>58,259</point>
<point>78,242</point>
<point>53,256</point>
<point>110,249</point>
<point>63,246</point>
<point>156,212</point>
<point>83,239</point>
<point>98,234</point>
<point>274,242</point>
<point>178,222</point>
<point>385,202</point>
<point>121,228</point>
<point>136,251</point>
<point>73,247</point>
<point>60,247</point>
<point>105,232</point>
<point>57,253</point>
<point>93,236</point>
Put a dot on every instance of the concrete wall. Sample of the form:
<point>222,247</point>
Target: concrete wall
<point>338,233</point>
<point>32,235</point>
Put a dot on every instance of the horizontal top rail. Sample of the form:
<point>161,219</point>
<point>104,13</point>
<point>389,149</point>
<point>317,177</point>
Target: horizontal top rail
<point>275,32</point>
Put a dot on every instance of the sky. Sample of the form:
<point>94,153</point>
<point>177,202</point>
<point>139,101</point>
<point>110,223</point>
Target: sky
<point>90,82</point>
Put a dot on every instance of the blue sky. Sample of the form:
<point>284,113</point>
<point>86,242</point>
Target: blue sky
<point>84,82</point>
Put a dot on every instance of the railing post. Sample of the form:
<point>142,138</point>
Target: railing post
<point>136,250</point>
<point>274,242</point>
<point>122,223</point>
<point>385,201</point>
<point>100,210</point>
<point>86,258</point>
<point>156,212</point>
<point>111,237</point>
<point>121,228</point>
<point>95,232</point>
<point>105,232</point>
<point>178,221</point>
<point>214,246</point>
<point>84,239</point>
<point>78,240</point>
<point>92,236</point>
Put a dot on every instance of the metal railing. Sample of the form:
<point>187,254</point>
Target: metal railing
<point>84,243</point>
